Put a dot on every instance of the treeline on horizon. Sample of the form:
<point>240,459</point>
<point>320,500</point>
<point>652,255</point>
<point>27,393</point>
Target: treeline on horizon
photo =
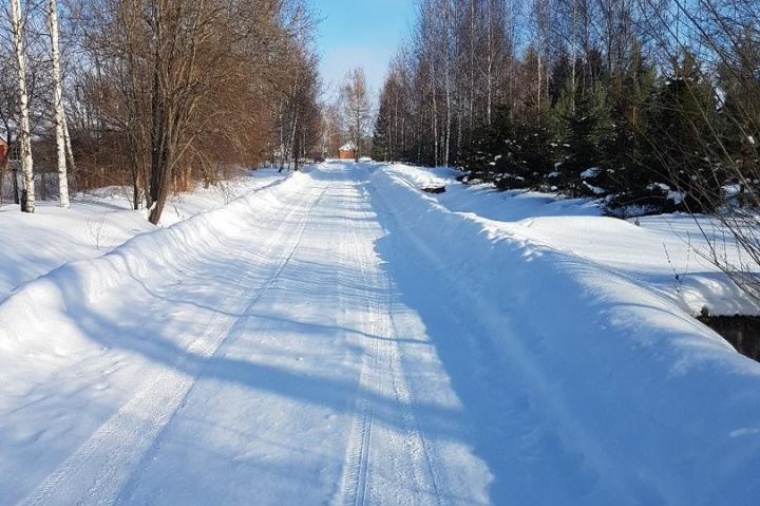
<point>653,105</point>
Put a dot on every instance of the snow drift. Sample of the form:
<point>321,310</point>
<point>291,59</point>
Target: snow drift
<point>643,391</point>
<point>38,312</point>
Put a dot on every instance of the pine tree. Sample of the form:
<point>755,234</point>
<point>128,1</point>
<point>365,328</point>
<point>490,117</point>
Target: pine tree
<point>511,154</point>
<point>739,115</point>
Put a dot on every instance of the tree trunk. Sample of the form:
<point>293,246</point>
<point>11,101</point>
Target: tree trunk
<point>60,142</point>
<point>159,176</point>
<point>435,113</point>
<point>293,142</point>
<point>3,172</point>
<point>574,56</point>
<point>473,12</point>
<point>16,188</point>
<point>25,138</point>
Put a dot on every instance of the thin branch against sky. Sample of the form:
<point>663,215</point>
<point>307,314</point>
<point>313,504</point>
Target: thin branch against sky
<point>362,33</point>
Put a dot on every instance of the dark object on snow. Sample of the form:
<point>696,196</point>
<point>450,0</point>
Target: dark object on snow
<point>434,189</point>
<point>743,332</point>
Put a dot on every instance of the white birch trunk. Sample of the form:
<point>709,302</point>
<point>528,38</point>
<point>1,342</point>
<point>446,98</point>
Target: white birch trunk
<point>447,77</point>
<point>538,96</point>
<point>574,55</point>
<point>25,138</point>
<point>472,67</point>
<point>60,141</point>
<point>490,68</point>
<point>435,111</point>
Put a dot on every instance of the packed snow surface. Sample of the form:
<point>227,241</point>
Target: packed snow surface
<point>341,337</point>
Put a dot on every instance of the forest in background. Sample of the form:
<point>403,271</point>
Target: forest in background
<point>652,105</point>
<point>159,94</point>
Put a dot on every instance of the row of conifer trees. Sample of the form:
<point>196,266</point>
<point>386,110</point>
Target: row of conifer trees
<point>584,97</point>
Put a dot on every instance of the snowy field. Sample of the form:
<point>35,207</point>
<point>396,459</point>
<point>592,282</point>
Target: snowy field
<point>340,337</point>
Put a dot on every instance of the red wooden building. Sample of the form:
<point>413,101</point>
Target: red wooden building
<point>348,151</point>
<point>4,150</point>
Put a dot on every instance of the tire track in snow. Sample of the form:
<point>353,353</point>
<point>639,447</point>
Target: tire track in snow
<point>353,488</point>
<point>354,480</point>
<point>424,454</point>
<point>382,374</point>
<point>543,407</point>
<point>281,264</point>
<point>97,471</point>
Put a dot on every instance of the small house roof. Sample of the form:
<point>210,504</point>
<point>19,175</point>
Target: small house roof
<point>349,146</point>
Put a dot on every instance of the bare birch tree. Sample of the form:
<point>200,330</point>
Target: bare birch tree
<point>25,137</point>
<point>356,107</point>
<point>60,124</point>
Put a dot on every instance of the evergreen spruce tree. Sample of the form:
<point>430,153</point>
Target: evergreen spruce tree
<point>380,144</point>
<point>582,124</point>
<point>739,115</point>
<point>631,180</point>
<point>510,154</point>
<point>684,108</point>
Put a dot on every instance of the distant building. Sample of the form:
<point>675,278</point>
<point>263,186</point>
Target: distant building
<point>348,151</point>
<point>4,151</point>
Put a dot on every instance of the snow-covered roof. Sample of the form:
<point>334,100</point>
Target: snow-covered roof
<point>349,146</point>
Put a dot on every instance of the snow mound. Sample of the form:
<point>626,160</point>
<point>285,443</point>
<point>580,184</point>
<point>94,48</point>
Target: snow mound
<point>667,253</point>
<point>27,348</point>
<point>642,390</point>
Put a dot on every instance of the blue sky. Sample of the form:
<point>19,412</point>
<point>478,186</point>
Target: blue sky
<point>362,33</point>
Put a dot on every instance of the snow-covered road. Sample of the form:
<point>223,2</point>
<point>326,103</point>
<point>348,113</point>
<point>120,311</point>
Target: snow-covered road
<point>311,343</point>
<point>262,365</point>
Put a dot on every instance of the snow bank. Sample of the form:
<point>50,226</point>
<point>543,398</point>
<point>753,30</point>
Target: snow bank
<point>97,222</point>
<point>37,313</point>
<point>643,391</point>
<point>668,253</point>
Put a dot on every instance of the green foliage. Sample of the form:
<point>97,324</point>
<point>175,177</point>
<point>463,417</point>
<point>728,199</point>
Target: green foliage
<point>631,137</point>
<point>582,124</point>
<point>509,154</point>
<point>632,178</point>
<point>684,109</point>
<point>739,113</point>
<point>640,136</point>
<point>380,144</point>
